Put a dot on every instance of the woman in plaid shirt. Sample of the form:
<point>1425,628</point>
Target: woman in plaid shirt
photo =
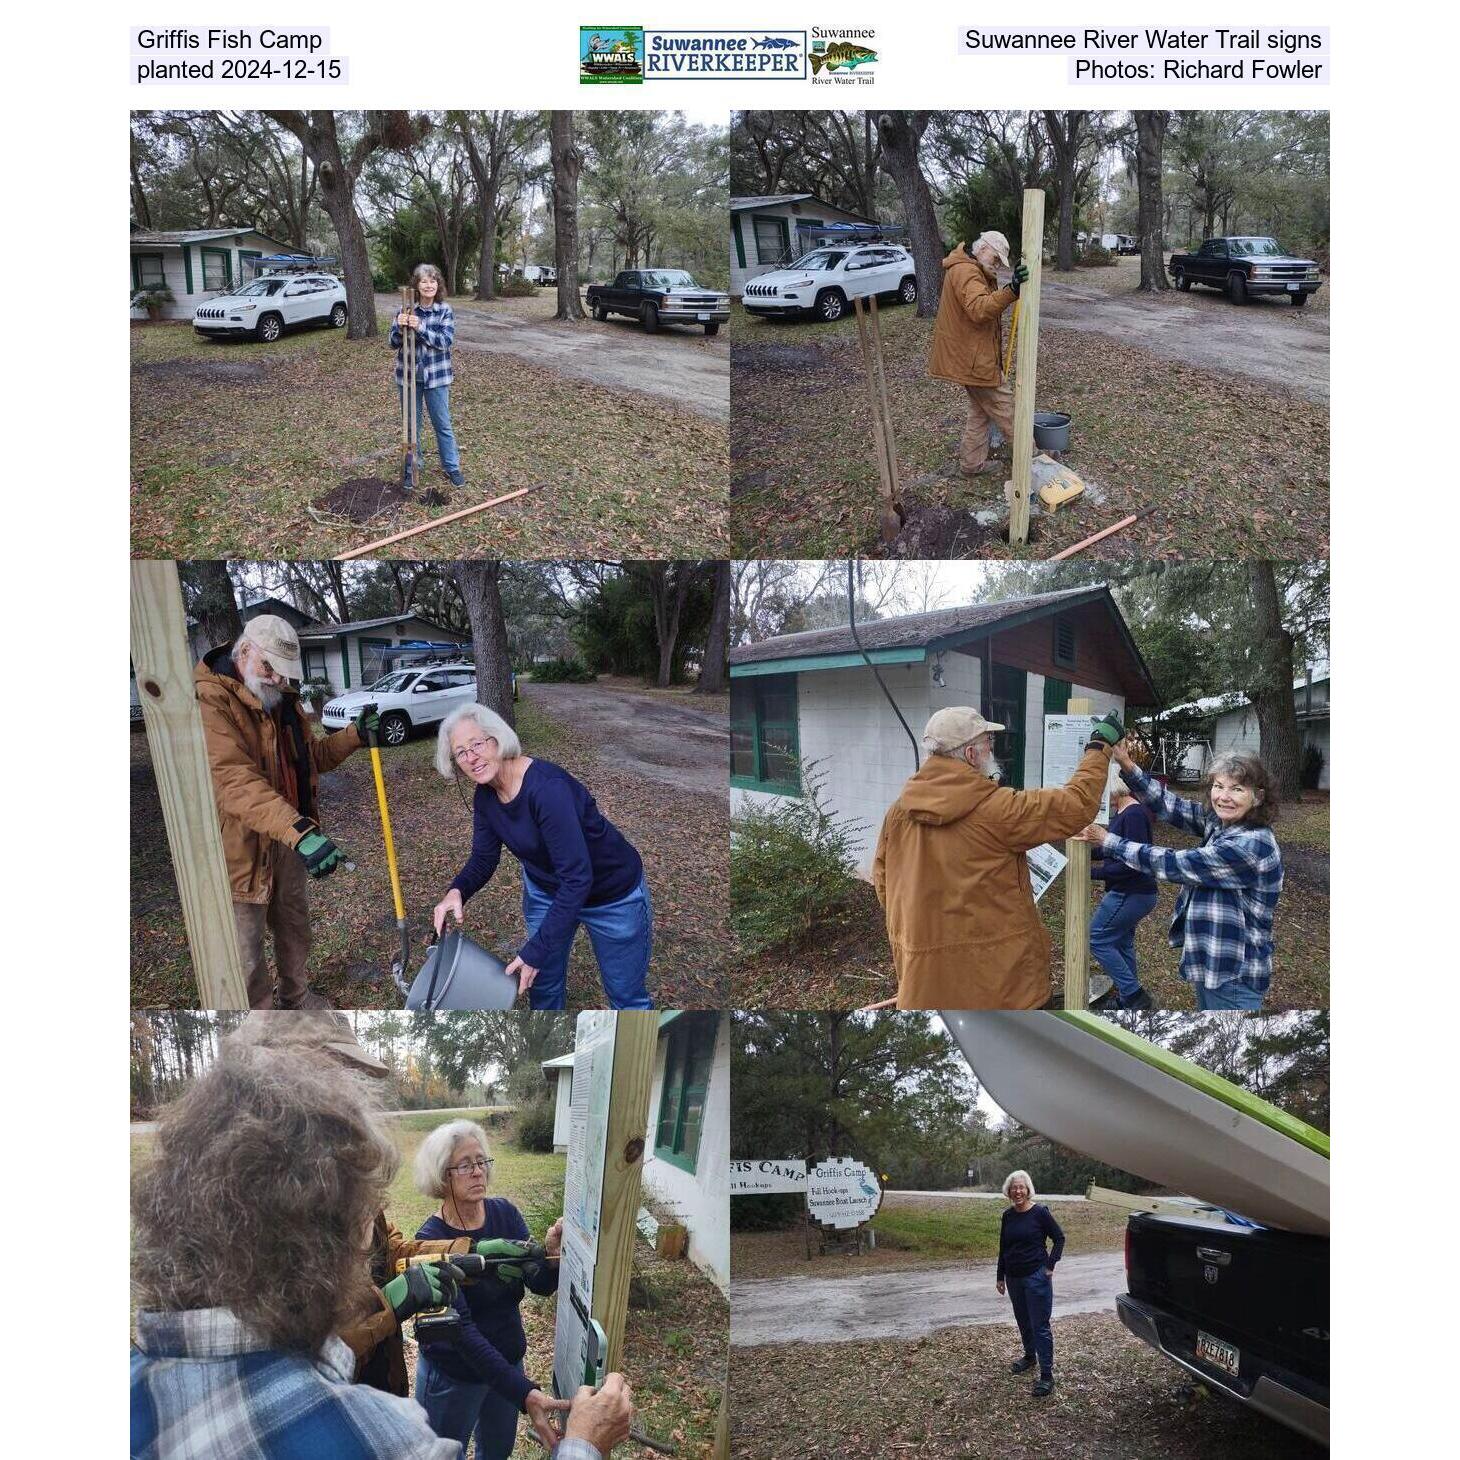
<point>1229,884</point>
<point>435,328</point>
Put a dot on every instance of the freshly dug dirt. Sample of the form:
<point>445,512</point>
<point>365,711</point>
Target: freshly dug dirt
<point>362,498</point>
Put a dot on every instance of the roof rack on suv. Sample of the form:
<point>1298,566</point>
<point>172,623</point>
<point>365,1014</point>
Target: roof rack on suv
<point>293,263</point>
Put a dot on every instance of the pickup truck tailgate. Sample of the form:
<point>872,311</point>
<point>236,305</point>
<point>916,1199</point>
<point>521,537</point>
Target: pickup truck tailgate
<point>1263,1291</point>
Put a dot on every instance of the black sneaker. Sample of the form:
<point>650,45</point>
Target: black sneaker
<point>1023,1366</point>
<point>1042,1386</point>
<point>1138,1000</point>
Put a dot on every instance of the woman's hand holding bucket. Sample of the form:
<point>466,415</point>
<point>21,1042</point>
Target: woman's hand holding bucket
<point>449,905</point>
<point>525,974</point>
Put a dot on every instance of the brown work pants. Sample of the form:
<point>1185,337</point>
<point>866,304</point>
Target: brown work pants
<point>286,915</point>
<point>985,403</point>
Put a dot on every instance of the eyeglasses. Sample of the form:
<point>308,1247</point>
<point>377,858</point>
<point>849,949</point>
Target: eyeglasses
<point>476,748</point>
<point>472,1168</point>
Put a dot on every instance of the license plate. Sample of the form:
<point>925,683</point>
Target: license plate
<point>1292,288</point>
<point>1218,1354</point>
<point>703,318</point>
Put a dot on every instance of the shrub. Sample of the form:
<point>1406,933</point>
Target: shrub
<point>533,1128</point>
<point>562,671</point>
<point>1095,256</point>
<point>1312,769</point>
<point>152,298</point>
<point>314,692</point>
<point>518,289</point>
<point>791,867</point>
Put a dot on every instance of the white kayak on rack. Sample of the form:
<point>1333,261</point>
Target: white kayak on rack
<point>1088,1084</point>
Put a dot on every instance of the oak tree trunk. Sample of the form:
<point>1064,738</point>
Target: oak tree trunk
<point>714,675</point>
<point>567,159</point>
<point>1150,137</point>
<point>1272,689</point>
<point>479,582</point>
<point>900,134</point>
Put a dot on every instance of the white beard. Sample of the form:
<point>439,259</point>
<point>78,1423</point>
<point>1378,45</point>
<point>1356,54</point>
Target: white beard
<point>991,768</point>
<point>267,694</point>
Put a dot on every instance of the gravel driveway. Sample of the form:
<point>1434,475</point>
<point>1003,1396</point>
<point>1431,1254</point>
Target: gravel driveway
<point>662,739</point>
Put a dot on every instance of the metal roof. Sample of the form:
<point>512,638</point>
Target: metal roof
<point>740,205</point>
<point>196,235</point>
<point>355,626</point>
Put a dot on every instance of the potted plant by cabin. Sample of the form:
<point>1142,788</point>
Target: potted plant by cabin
<point>152,298</point>
<point>314,692</point>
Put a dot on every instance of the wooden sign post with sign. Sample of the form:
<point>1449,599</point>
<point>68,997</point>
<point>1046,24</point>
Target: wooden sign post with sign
<point>1026,364</point>
<point>163,665</point>
<point>1077,906</point>
<point>613,1067</point>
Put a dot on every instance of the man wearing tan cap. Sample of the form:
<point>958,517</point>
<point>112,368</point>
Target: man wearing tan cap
<point>951,873</point>
<point>266,763</point>
<point>967,341</point>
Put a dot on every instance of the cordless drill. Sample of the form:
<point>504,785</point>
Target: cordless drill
<point>432,1323</point>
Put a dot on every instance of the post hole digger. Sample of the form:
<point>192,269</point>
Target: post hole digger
<point>457,973</point>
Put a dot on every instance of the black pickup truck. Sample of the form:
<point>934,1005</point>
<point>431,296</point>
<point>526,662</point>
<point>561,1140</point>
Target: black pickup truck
<point>1243,1309</point>
<point>660,296</point>
<point>1246,266</point>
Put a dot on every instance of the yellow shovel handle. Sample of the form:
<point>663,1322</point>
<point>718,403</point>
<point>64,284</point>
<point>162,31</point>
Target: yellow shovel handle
<point>400,907</point>
<point>1013,334</point>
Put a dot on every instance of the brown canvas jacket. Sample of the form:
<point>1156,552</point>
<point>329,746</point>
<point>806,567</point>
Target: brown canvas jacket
<point>966,337</point>
<point>379,1327</point>
<point>243,755</point>
<point>951,874</point>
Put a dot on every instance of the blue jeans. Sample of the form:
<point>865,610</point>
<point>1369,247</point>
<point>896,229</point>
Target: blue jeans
<point>622,934</point>
<point>1232,995</point>
<point>456,1410</point>
<point>438,407</point>
<point>1033,1301</point>
<point>1113,937</point>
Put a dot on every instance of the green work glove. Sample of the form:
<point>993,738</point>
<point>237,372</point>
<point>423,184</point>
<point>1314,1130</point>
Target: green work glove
<point>511,1262</point>
<point>367,723</point>
<point>1106,732</point>
<point>1021,273</point>
<point>321,855</point>
<point>422,1286</point>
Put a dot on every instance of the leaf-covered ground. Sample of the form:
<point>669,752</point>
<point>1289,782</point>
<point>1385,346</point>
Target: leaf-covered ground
<point>919,1231</point>
<point>849,962</point>
<point>951,1394</point>
<point>682,836</point>
<point>234,442</point>
<point>1232,467</point>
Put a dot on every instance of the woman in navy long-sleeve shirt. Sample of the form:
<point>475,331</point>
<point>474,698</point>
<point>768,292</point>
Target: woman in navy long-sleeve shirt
<point>577,866</point>
<point>1030,1244</point>
<point>473,1383</point>
<point>1130,896</point>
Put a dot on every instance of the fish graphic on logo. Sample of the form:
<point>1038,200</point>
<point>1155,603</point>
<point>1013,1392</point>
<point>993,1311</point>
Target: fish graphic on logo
<point>774,43</point>
<point>839,56</point>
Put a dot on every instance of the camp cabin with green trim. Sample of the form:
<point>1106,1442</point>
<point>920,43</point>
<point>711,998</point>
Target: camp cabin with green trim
<point>197,264</point>
<point>810,697</point>
<point>768,232</point>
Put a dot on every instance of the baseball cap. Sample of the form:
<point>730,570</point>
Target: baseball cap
<point>997,242</point>
<point>955,726</point>
<point>276,640</point>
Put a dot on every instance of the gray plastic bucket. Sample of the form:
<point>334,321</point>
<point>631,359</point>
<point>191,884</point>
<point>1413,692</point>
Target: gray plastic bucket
<point>460,974</point>
<point>1051,430</point>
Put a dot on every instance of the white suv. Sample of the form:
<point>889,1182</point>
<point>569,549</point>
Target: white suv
<point>272,304</point>
<point>824,281</point>
<point>406,698</point>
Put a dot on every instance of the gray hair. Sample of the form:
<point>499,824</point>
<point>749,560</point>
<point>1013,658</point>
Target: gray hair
<point>436,1151</point>
<point>1014,1176</point>
<point>489,722</point>
<point>259,1196</point>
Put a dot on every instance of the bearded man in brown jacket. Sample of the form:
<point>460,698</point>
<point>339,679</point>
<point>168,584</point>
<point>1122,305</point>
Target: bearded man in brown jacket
<point>266,763</point>
<point>966,341</point>
<point>952,876</point>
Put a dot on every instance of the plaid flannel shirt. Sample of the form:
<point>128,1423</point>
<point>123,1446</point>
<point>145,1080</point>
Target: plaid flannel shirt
<point>433,347</point>
<point>204,1385</point>
<point>1229,888</point>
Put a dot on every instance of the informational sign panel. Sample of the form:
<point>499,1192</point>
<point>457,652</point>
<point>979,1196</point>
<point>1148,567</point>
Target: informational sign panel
<point>1065,739</point>
<point>842,1194</point>
<point>1045,864</point>
<point>583,1194</point>
<point>766,1178</point>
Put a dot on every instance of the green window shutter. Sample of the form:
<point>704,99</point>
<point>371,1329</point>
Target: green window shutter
<point>188,267</point>
<point>1057,694</point>
<point>739,240</point>
<point>765,739</point>
<point>688,1060</point>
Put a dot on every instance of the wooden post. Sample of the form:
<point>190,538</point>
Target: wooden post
<point>886,467</point>
<point>634,1042</point>
<point>1026,364</point>
<point>164,669</point>
<point>1077,904</point>
<point>722,1425</point>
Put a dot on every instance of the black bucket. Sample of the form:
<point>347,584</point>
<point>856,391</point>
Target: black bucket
<point>1052,431</point>
<point>460,974</point>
